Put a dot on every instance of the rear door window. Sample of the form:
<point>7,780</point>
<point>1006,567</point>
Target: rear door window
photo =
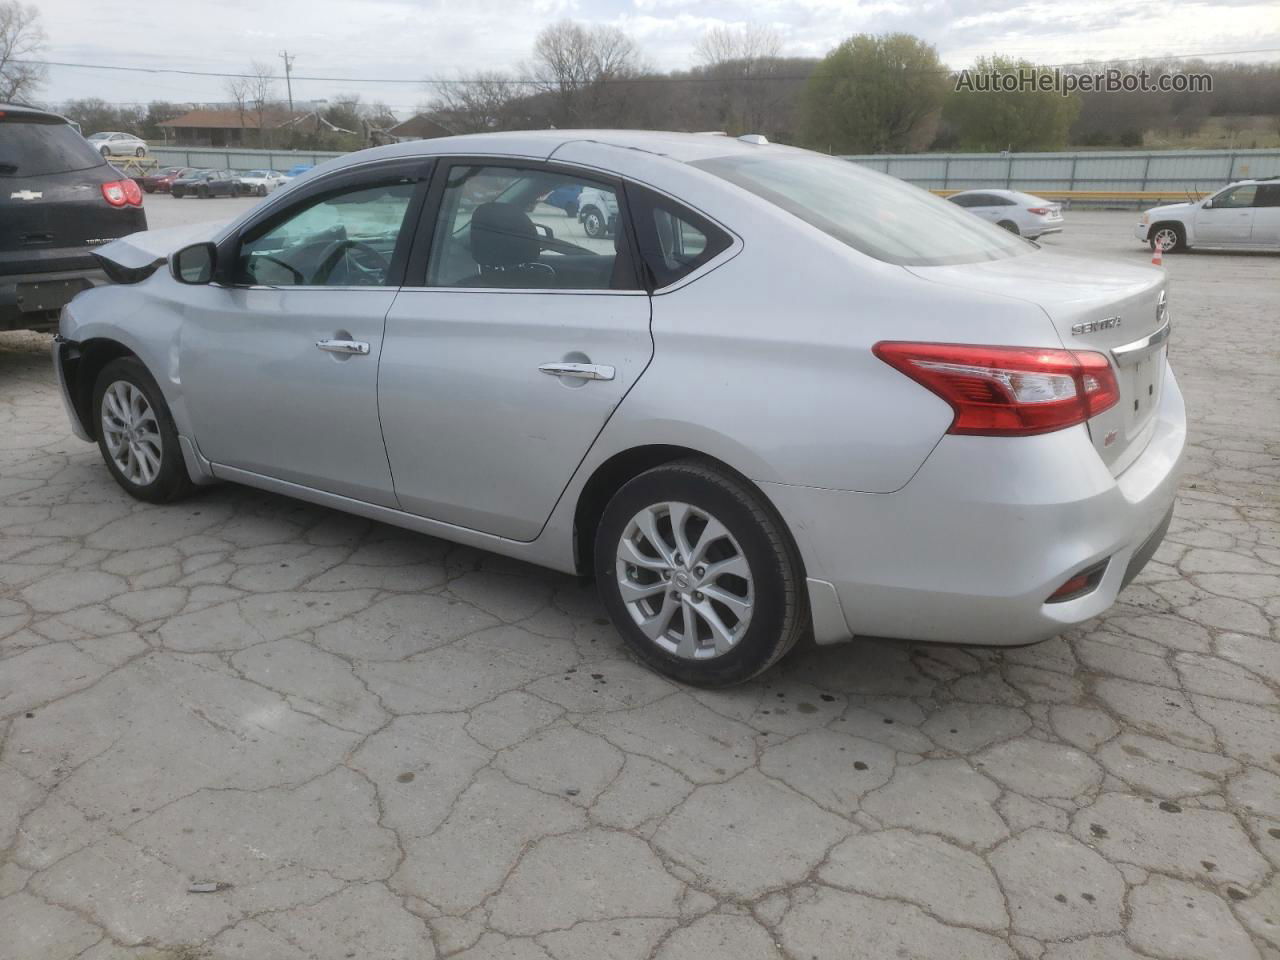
<point>1268,195</point>
<point>38,149</point>
<point>529,228</point>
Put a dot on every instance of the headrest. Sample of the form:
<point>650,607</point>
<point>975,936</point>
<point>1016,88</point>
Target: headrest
<point>502,235</point>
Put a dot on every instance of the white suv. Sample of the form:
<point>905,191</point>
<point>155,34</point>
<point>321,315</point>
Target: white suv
<point>1244,214</point>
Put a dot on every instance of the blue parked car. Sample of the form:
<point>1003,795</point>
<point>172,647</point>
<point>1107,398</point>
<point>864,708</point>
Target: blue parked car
<point>566,198</point>
<point>298,168</point>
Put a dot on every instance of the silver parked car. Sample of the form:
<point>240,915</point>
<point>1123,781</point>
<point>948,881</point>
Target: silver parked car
<point>785,395</point>
<point>1022,213</point>
<point>118,144</point>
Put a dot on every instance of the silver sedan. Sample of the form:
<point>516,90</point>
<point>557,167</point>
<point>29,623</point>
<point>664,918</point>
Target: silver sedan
<point>773,395</point>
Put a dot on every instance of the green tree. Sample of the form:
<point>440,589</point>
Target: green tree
<point>1027,118</point>
<point>875,94</point>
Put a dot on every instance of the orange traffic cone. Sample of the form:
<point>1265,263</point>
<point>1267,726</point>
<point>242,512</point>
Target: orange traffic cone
<point>1157,258</point>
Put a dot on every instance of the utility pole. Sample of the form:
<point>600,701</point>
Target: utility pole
<point>288,81</point>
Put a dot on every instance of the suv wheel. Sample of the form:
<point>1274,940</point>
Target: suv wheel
<point>136,433</point>
<point>593,223</point>
<point>698,575</point>
<point>1169,236</point>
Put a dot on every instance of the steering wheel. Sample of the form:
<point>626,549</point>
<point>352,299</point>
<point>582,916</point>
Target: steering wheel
<point>352,253</point>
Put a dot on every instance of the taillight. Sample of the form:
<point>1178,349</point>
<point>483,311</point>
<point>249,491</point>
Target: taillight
<point>120,193</point>
<point>1040,211</point>
<point>1008,391</point>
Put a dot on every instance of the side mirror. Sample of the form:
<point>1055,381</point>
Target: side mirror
<point>545,230</point>
<point>194,264</point>
<point>1207,205</point>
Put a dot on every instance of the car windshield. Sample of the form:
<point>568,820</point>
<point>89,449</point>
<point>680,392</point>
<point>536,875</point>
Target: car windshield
<point>37,149</point>
<point>875,214</point>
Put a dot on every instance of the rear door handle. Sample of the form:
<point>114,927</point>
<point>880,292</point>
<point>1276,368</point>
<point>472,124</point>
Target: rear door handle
<point>344,346</point>
<point>582,371</point>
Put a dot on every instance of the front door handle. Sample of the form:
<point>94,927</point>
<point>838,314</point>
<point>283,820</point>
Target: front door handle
<point>358,347</point>
<point>582,371</point>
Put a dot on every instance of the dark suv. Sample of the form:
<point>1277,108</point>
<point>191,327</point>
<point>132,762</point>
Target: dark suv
<point>59,199</point>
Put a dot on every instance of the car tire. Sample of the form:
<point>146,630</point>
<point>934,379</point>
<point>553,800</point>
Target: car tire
<point>175,193</point>
<point>262,190</point>
<point>768,606</point>
<point>149,189</point>
<point>1163,232</point>
<point>105,151</point>
<point>136,433</point>
<point>1010,226</point>
<point>593,223</point>
<point>234,192</point>
<point>202,192</point>
<point>140,152</point>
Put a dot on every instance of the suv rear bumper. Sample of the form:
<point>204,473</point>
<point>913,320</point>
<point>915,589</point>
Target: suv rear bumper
<point>971,548</point>
<point>32,301</point>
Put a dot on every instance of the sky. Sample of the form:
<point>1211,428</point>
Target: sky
<point>411,40</point>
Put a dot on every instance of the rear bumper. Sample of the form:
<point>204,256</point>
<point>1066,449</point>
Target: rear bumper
<point>1048,228</point>
<point>970,549</point>
<point>32,300</point>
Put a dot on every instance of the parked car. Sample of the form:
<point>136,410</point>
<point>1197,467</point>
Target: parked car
<point>60,202</point>
<point>795,396</point>
<point>597,212</point>
<point>205,184</point>
<point>161,179</point>
<point>565,198</point>
<point>1245,214</point>
<point>260,182</point>
<point>119,145</point>
<point>297,170</point>
<point>1021,213</point>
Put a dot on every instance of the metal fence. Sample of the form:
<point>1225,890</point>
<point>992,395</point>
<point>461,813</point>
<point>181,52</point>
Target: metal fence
<point>231,159</point>
<point>1166,171</point>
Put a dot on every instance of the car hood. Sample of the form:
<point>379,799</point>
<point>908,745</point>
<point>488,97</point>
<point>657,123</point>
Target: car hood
<point>1172,210</point>
<point>133,258</point>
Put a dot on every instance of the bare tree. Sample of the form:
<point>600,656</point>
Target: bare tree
<point>477,103</point>
<point>21,38</point>
<point>574,64</point>
<point>742,67</point>
<point>238,90</point>
<point>725,44</point>
<point>261,90</point>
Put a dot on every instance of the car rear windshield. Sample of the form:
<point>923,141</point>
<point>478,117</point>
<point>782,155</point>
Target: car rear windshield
<point>30,149</point>
<point>875,214</point>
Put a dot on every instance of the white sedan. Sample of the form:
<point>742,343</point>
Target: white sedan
<point>789,397</point>
<point>261,182</point>
<point>1021,213</point>
<point>119,144</point>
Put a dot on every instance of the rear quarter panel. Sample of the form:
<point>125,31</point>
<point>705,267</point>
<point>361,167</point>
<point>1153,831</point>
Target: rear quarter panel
<point>765,362</point>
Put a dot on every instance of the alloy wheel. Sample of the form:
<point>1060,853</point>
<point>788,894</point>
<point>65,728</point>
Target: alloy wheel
<point>1166,238</point>
<point>132,433</point>
<point>685,580</point>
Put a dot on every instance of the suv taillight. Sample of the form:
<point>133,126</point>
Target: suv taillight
<point>1008,391</point>
<point>121,193</point>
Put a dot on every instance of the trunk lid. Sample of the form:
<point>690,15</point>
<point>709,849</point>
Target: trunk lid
<point>1117,310</point>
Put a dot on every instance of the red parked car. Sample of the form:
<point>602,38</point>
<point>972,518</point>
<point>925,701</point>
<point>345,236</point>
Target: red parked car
<point>161,178</point>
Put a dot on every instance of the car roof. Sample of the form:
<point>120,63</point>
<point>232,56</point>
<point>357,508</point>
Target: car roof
<point>542,144</point>
<point>22,110</point>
